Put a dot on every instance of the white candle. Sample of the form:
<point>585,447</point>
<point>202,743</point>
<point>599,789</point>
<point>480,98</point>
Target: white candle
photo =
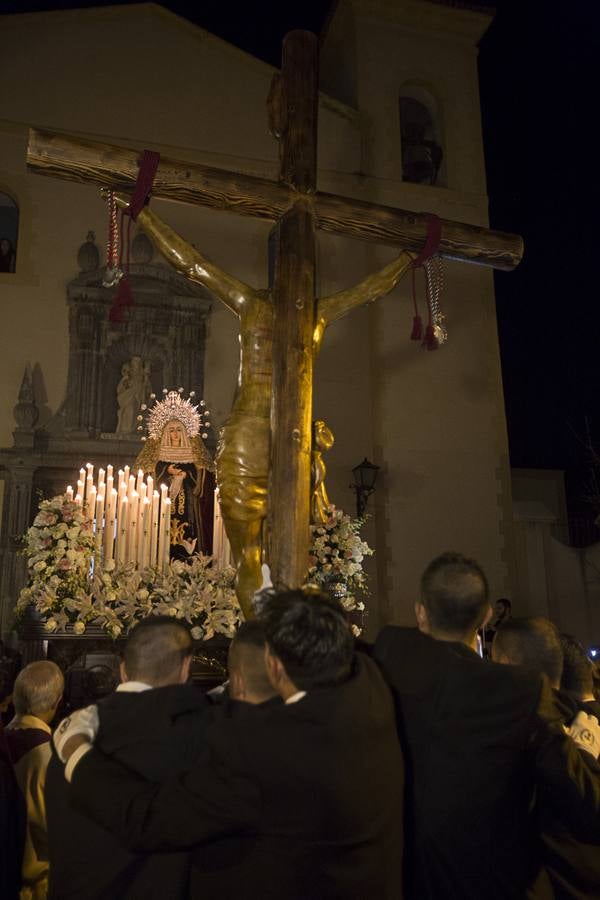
<point>89,485</point>
<point>82,474</point>
<point>162,533</point>
<point>131,487</point>
<point>126,474</point>
<point>109,485</point>
<point>109,529</point>
<point>122,485</point>
<point>100,479</point>
<point>109,472</point>
<point>163,493</point>
<point>99,525</point>
<point>144,533</point>
<point>69,492</point>
<point>154,531</point>
<point>122,530</point>
<point>167,549</point>
<point>149,486</point>
<point>90,501</point>
<point>142,492</point>
<point>140,478</point>
<point>90,470</point>
<point>132,527</point>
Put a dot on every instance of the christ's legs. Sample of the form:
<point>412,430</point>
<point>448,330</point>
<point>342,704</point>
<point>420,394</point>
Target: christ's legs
<point>242,467</point>
<point>246,546</point>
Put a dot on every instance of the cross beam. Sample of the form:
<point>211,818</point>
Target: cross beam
<point>75,159</point>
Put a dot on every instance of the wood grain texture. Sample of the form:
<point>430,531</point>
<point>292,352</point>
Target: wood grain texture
<point>75,159</point>
<point>300,93</point>
<point>294,296</point>
<point>291,403</point>
<point>408,230</point>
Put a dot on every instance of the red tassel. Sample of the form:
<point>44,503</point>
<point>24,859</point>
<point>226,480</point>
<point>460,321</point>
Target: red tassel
<point>417,329</point>
<point>123,298</point>
<point>430,341</point>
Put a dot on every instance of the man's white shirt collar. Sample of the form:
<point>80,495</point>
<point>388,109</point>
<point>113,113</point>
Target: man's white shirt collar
<point>134,687</point>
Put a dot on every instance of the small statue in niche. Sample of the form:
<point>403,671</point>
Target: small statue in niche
<point>175,455</point>
<point>323,440</point>
<point>132,390</point>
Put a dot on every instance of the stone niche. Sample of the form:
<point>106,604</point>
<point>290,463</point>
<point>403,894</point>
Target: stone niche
<point>165,328</point>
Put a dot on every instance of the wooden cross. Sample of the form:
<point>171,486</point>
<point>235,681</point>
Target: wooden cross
<point>299,209</point>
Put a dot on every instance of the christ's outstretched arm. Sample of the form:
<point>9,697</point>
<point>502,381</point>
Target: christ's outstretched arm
<point>235,294</point>
<point>371,288</point>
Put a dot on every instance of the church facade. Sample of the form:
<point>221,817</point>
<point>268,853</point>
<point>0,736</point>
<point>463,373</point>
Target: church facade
<point>399,124</point>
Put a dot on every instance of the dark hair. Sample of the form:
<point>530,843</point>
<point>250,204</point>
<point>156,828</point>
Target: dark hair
<point>533,642</point>
<point>310,634</point>
<point>155,650</point>
<point>247,656</point>
<point>455,594</point>
<point>578,670</point>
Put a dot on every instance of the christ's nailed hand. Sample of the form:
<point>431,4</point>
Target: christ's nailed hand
<point>122,200</point>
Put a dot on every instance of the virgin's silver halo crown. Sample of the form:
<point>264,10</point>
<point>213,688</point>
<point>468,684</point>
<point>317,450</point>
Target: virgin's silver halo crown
<point>173,406</point>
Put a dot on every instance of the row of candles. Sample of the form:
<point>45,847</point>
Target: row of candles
<point>132,520</point>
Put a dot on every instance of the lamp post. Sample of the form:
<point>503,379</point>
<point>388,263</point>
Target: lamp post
<point>365,476</point>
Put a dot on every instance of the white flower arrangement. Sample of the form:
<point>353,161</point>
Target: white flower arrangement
<point>62,589</point>
<point>336,553</point>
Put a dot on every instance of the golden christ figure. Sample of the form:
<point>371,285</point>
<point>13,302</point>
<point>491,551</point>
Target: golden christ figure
<point>243,453</point>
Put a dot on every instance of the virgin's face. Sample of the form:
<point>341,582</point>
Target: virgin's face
<point>174,433</point>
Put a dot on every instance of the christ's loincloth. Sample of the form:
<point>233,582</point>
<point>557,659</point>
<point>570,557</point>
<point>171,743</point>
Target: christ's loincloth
<point>242,462</point>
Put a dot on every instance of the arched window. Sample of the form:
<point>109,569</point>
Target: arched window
<point>422,152</point>
<point>9,232</point>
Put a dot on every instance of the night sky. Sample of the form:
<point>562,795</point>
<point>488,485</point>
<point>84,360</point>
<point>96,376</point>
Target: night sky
<point>538,79</point>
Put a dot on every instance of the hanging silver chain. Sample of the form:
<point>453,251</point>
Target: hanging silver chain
<point>434,277</point>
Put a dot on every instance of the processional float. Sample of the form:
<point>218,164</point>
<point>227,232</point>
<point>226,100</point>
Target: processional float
<point>290,321</point>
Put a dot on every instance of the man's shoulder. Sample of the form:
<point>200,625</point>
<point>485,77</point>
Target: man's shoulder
<point>166,723</point>
<point>408,658</point>
<point>170,701</point>
<point>401,646</point>
<point>23,742</point>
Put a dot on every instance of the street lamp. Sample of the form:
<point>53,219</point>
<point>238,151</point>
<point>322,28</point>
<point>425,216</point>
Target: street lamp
<point>365,476</point>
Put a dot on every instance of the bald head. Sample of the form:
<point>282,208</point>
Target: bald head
<point>38,690</point>
<point>248,679</point>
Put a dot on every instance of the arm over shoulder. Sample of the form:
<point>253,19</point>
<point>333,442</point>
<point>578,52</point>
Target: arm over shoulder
<point>217,797</point>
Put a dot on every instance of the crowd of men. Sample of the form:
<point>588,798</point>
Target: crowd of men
<point>412,768</point>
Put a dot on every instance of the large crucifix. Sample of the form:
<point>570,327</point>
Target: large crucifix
<point>275,417</point>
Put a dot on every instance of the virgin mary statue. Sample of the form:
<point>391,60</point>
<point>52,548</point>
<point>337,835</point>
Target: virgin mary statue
<point>175,455</point>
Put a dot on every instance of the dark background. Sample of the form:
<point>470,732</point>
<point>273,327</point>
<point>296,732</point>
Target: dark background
<point>538,78</point>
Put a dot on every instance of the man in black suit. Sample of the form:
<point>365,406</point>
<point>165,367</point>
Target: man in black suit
<point>573,865</point>
<point>477,738</point>
<point>155,724</point>
<point>297,801</point>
